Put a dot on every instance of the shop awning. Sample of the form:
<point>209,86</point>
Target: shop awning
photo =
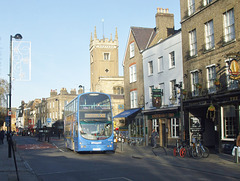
<point>127,113</point>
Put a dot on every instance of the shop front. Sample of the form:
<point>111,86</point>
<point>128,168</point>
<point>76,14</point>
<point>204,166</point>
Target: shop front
<point>134,125</point>
<point>166,122</point>
<point>214,119</point>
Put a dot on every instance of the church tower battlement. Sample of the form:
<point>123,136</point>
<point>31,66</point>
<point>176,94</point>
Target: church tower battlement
<point>103,58</point>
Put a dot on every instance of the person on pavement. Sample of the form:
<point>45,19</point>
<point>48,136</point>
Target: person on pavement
<point>238,140</point>
<point>2,134</point>
<point>154,136</point>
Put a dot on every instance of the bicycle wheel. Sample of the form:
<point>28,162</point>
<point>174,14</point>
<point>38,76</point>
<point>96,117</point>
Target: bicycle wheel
<point>175,151</point>
<point>196,152</point>
<point>182,152</point>
<point>205,151</point>
<point>188,151</point>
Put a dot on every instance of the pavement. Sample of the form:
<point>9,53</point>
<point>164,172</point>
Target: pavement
<point>8,171</point>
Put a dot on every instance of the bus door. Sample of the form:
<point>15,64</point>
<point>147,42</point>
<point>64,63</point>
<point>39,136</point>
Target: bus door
<point>75,135</point>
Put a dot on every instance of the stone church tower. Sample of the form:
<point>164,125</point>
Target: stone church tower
<point>103,59</point>
<point>104,70</point>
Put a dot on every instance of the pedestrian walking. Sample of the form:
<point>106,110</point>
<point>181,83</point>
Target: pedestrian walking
<point>238,140</point>
<point>234,151</point>
<point>2,134</point>
<point>154,136</point>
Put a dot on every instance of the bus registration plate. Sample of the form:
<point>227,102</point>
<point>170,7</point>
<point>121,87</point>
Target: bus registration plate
<point>96,149</point>
<point>96,143</point>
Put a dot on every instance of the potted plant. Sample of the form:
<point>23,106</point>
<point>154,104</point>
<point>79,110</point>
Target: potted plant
<point>199,86</point>
<point>217,82</point>
<point>184,92</point>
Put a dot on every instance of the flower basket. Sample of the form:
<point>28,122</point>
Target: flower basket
<point>211,108</point>
<point>199,86</point>
<point>217,82</point>
<point>184,92</point>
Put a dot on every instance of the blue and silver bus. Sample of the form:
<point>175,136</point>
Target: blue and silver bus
<point>88,123</point>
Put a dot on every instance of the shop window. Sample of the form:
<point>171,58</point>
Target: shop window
<point>229,122</point>
<point>136,128</point>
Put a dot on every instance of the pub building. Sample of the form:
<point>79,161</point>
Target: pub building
<point>165,120</point>
<point>214,118</point>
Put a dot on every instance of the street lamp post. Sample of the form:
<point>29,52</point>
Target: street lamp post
<point>83,88</point>
<point>17,36</point>
<point>58,115</point>
<point>181,109</point>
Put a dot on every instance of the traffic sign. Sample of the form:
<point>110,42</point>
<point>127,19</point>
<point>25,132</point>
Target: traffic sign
<point>7,121</point>
<point>9,113</point>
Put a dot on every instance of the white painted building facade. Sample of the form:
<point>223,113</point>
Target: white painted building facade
<point>162,68</point>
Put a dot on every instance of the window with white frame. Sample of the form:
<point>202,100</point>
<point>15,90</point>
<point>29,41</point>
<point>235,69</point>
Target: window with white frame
<point>106,56</point>
<point>209,35</point>
<point>133,99</point>
<point>206,2</point>
<point>191,7</point>
<point>172,59</point>
<point>155,125</point>
<point>174,127</point>
<point>211,77</point>
<point>160,64</point>
<point>150,68</point>
<point>229,122</point>
<point>195,83</point>
<point>133,73</point>
<point>173,92</point>
<point>150,93</point>
<point>161,86</point>
<point>193,42</point>
<point>132,52</point>
<point>229,26</point>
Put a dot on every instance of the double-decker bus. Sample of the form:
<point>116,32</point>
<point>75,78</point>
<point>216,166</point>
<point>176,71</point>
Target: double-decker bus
<point>88,124</point>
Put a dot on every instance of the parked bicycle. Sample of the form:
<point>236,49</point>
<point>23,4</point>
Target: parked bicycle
<point>198,150</point>
<point>179,149</point>
<point>134,142</point>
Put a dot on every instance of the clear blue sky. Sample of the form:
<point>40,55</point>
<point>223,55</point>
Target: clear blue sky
<point>60,30</point>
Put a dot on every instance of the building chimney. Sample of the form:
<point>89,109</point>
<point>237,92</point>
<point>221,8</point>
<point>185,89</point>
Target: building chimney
<point>164,23</point>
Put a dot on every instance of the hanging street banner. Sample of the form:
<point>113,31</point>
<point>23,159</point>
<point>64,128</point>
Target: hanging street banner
<point>21,60</point>
<point>157,98</point>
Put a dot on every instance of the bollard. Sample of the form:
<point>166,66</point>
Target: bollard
<point>236,154</point>
<point>122,144</point>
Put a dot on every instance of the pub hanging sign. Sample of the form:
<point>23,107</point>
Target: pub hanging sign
<point>157,97</point>
<point>233,65</point>
<point>234,69</point>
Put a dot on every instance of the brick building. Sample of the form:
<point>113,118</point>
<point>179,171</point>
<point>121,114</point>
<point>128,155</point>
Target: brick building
<point>210,37</point>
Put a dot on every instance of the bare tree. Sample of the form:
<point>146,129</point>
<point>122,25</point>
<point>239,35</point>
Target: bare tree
<point>3,100</point>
